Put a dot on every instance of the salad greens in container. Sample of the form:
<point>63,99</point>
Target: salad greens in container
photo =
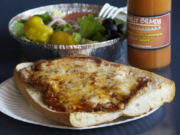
<point>68,29</point>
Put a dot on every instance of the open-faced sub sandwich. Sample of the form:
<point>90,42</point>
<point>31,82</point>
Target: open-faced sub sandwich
<point>82,91</point>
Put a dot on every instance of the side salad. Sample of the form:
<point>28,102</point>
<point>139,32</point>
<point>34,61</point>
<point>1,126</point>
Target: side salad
<point>55,28</point>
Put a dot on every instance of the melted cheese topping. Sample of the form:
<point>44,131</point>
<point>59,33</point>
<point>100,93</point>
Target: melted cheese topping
<point>79,85</point>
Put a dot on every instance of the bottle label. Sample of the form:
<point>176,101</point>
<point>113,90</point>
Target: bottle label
<point>149,32</point>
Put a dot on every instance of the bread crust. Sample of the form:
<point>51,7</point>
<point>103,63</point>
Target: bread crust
<point>148,100</point>
<point>84,119</point>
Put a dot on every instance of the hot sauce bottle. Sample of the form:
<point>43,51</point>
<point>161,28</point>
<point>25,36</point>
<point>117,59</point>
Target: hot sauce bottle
<point>149,33</point>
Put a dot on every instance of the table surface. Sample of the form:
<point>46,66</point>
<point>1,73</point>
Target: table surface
<point>164,121</point>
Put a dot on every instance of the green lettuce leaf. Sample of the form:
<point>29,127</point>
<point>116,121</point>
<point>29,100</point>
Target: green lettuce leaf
<point>19,27</point>
<point>66,28</point>
<point>86,41</point>
<point>56,27</point>
<point>77,37</point>
<point>89,26</point>
<point>98,37</point>
<point>45,17</point>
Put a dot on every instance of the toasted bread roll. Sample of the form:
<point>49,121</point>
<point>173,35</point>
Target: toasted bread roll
<point>139,91</point>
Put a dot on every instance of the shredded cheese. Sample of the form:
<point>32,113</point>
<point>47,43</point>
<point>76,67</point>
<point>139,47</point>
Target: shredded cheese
<point>76,82</point>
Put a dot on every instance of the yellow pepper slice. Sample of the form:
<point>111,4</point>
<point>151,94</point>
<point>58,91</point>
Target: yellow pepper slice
<point>62,38</point>
<point>36,30</point>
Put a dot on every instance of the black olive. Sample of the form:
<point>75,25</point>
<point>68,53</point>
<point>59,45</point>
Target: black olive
<point>108,21</point>
<point>113,28</point>
<point>121,28</point>
<point>116,35</point>
<point>107,34</point>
